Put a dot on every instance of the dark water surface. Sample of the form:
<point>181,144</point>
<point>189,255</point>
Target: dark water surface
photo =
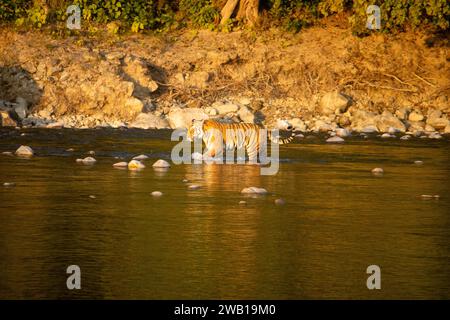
<point>338,220</point>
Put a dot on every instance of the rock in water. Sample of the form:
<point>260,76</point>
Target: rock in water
<point>254,190</point>
<point>161,164</point>
<point>140,157</point>
<point>242,202</point>
<point>280,202</point>
<point>418,162</point>
<point>156,193</point>
<point>9,184</point>
<point>120,164</point>
<point>87,160</point>
<point>135,165</point>
<point>377,171</point>
<point>24,151</point>
<point>193,187</point>
<point>335,139</point>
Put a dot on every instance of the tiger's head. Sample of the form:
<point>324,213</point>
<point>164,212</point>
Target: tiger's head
<point>195,131</point>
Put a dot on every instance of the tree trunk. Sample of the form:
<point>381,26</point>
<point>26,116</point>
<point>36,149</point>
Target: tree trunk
<point>247,10</point>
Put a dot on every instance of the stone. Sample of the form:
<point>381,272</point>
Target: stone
<point>21,108</point>
<point>387,120</point>
<point>333,103</point>
<point>242,202</point>
<point>418,162</point>
<point>415,116</point>
<point>149,121</point>
<point>429,128</point>
<point>122,164</point>
<point>133,106</point>
<point>254,190</point>
<point>55,125</point>
<point>24,151</point>
<point>7,153</point>
<point>369,129</point>
<point>87,160</point>
<point>438,123</point>
<point>182,118</point>
<point>135,165</point>
<point>335,139</point>
<point>156,193</point>
<point>280,202</point>
<point>9,184</point>
<point>246,115</point>
<point>6,120</point>
<point>386,135</point>
<point>140,157</point>
<point>447,129</point>
<point>193,187</point>
<point>161,164</point>
<point>225,108</point>
<point>199,79</point>
<point>298,124</point>
<point>405,137</point>
<point>343,133</point>
<point>435,135</point>
<point>377,171</point>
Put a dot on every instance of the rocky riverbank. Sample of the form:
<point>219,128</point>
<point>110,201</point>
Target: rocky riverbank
<point>321,80</point>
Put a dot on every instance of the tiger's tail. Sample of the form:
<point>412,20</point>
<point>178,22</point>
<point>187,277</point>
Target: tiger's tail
<point>279,140</point>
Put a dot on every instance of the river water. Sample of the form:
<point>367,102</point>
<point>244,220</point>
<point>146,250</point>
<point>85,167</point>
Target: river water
<point>338,219</point>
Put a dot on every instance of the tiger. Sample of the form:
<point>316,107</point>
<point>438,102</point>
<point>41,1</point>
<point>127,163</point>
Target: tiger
<point>233,136</point>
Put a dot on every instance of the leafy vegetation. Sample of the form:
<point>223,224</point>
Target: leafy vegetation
<point>138,15</point>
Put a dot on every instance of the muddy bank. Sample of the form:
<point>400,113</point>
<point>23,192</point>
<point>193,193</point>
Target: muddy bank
<point>322,79</point>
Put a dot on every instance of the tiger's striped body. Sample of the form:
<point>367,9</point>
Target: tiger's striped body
<point>217,135</point>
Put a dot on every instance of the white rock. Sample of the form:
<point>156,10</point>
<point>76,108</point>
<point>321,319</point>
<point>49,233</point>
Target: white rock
<point>120,164</point>
<point>9,184</point>
<point>335,139</point>
<point>7,153</point>
<point>135,165</point>
<point>369,129</point>
<point>418,162</point>
<point>193,187</point>
<point>87,160</point>
<point>55,125</point>
<point>161,164</point>
<point>156,193</point>
<point>343,133</point>
<point>224,108</point>
<point>254,190</point>
<point>24,151</point>
<point>333,102</point>
<point>280,202</point>
<point>242,202</point>
<point>149,121</point>
<point>435,135</point>
<point>140,157</point>
<point>182,118</point>
<point>386,135</point>
<point>377,171</point>
<point>405,137</point>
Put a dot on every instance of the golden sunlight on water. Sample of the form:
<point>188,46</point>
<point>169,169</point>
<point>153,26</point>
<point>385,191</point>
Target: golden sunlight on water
<point>338,219</point>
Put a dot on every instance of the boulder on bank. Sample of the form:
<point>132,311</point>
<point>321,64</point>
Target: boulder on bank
<point>7,120</point>
<point>182,118</point>
<point>149,121</point>
<point>333,103</point>
<point>387,121</point>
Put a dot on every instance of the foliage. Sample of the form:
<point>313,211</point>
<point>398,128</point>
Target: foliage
<point>138,15</point>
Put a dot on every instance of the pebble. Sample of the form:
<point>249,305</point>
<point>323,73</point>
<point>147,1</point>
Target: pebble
<point>7,153</point>
<point>418,162</point>
<point>92,153</point>
<point>87,160</point>
<point>92,196</point>
<point>405,137</point>
<point>335,139</point>
<point>193,187</point>
<point>70,150</point>
<point>387,135</point>
<point>135,165</point>
<point>280,202</point>
<point>343,133</point>
<point>185,180</point>
<point>140,157</point>
<point>161,164</point>
<point>24,151</point>
<point>242,202</point>
<point>156,193</point>
<point>122,164</point>
<point>377,171</point>
<point>435,136</point>
<point>9,184</point>
<point>429,196</point>
<point>254,190</point>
